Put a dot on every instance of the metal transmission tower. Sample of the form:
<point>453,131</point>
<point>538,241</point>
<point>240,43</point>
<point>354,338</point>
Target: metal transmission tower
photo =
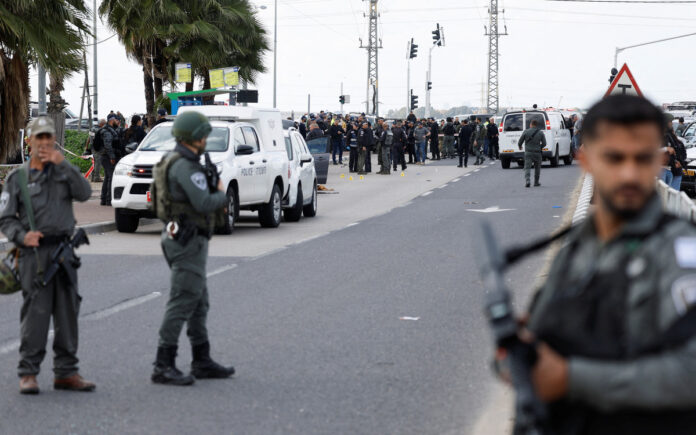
<point>493,36</point>
<point>372,47</point>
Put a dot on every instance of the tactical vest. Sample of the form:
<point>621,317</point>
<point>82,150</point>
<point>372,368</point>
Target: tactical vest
<point>165,208</point>
<point>587,320</point>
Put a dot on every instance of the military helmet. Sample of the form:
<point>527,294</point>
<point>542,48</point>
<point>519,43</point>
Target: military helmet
<point>191,126</point>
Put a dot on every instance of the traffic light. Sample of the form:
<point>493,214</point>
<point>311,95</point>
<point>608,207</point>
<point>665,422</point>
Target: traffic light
<point>414,50</point>
<point>429,86</point>
<point>342,99</point>
<point>436,35</point>
<point>614,72</point>
<point>414,101</point>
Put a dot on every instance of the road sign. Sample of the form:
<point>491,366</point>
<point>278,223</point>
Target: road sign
<point>182,73</point>
<point>624,83</point>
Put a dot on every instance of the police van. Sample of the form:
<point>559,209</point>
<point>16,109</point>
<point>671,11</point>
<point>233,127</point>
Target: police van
<point>302,191</point>
<point>554,125</point>
<point>246,145</point>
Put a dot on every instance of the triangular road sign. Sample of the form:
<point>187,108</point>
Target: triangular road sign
<point>624,83</point>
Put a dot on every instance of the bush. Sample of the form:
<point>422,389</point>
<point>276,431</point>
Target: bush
<point>75,142</point>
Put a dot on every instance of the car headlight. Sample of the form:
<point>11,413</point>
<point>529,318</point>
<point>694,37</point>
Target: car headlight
<point>123,169</point>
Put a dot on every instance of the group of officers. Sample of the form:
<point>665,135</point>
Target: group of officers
<point>614,325</point>
<point>393,140</point>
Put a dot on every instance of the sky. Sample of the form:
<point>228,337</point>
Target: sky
<point>555,54</point>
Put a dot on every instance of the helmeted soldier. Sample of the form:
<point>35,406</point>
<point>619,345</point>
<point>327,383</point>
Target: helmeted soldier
<point>36,214</point>
<point>184,201</point>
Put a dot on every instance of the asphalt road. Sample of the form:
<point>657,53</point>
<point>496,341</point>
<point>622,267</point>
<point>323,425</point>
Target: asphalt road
<point>315,330</point>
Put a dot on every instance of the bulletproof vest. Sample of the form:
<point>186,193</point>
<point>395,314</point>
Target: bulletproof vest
<point>165,207</point>
<point>587,319</point>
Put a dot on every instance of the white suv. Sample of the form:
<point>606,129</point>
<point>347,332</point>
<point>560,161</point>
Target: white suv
<point>246,145</point>
<point>553,125</point>
<point>302,193</point>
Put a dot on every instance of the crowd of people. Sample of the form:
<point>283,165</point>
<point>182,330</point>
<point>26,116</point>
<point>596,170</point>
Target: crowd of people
<point>399,143</point>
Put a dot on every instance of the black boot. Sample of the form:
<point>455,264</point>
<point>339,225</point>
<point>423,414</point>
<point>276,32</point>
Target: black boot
<point>203,366</point>
<point>165,371</point>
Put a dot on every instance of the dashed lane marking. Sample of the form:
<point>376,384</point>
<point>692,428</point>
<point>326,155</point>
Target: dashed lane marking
<point>456,179</point>
<point>427,193</point>
<point>130,303</point>
<point>352,225</point>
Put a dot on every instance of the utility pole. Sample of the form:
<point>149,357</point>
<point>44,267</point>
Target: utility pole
<point>342,99</point>
<point>42,90</point>
<point>372,47</point>
<point>275,52</point>
<point>94,30</point>
<point>309,104</point>
<point>411,53</point>
<point>438,41</point>
<point>493,36</point>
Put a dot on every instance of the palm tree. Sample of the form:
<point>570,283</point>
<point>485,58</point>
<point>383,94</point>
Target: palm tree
<point>49,32</point>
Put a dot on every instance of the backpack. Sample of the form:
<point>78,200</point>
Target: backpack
<point>160,199</point>
<point>98,141</point>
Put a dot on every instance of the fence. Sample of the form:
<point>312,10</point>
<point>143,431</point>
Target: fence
<point>677,203</point>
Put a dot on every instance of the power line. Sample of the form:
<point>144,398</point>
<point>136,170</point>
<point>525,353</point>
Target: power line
<point>659,2</point>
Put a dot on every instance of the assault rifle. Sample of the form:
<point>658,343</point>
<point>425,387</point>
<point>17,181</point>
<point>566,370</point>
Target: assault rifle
<point>64,256</point>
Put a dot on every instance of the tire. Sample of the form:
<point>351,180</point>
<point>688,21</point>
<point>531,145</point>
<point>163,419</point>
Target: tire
<point>568,160</point>
<point>310,210</point>
<point>269,213</point>
<point>126,222</point>
<point>505,163</point>
<point>554,160</point>
<point>232,211</point>
<point>294,214</point>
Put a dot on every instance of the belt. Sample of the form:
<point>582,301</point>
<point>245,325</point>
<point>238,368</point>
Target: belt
<point>53,239</point>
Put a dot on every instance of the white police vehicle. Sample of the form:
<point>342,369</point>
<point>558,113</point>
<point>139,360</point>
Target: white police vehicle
<point>302,178</point>
<point>554,125</point>
<point>246,144</point>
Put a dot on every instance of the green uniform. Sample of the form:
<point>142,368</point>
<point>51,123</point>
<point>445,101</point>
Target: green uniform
<point>534,141</point>
<point>606,306</point>
<point>52,192</point>
<point>478,138</point>
<point>188,299</point>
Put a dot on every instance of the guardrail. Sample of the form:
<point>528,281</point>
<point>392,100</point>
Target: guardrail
<point>677,203</point>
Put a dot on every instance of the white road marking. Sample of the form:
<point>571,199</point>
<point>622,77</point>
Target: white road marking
<point>221,270</point>
<point>456,179</point>
<point>494,209</point>
<point>442,187</point>
<point>427,193</point>
<point>467,175</point>
<point>352,225</point>
<point>102,314</point>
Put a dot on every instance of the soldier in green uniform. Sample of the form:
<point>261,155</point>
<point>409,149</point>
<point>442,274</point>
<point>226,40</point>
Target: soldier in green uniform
<point>50,183</point>
<point>478,136</point>
<point>184,201</point>
<point>616,319</point>
<point>534,141</point>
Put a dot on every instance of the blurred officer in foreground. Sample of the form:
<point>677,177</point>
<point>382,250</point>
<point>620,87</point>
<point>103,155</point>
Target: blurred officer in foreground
<point>50,184</point>
<point>534,141</point>
<point>184,200</point>
<point>615,321</point>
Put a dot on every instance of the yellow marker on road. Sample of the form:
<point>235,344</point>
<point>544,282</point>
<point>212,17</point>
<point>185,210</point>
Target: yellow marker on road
<point>350,178</point>
<point>362,178</point>
<point>343,175</point>
<point>403,175</point>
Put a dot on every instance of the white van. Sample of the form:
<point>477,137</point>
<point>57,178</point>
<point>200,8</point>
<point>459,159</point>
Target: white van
<point>302,190</point>
<point>248,148</point>
<point>557,136</point>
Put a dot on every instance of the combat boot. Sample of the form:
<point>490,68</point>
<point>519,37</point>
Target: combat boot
<point>165,371</point>
<point>203,366</point>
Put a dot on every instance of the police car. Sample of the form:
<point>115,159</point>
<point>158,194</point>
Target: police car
<point>247,146</point>
<point>302,178</point>
<point>557,136</point>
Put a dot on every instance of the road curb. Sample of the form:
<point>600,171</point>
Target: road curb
<point>583,205</point>
<point>95,228</point>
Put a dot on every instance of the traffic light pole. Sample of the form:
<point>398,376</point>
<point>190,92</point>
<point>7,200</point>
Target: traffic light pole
<point>342,98</point>
<point>408,85</point>
<point>428,80</point>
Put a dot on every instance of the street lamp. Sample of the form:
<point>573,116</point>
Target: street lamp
<point>620,49</point>
<point>275,48</point>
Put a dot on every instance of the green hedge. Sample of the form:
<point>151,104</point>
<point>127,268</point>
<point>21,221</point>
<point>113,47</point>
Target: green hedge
<point>75,142</point>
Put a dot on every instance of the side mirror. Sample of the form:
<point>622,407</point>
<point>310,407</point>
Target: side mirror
<point>305,158</point>
<point>244,150</point>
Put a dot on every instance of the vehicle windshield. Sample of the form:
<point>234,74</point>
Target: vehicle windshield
<point>161,139</point>
<point>513,122</point>
<point>690,136</point>
<point>318,145</point>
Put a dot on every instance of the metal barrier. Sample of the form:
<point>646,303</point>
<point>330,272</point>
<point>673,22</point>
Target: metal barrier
<point>677,203</point>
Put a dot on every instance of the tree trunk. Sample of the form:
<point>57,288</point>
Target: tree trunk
<point>189,86</point>
<point>206,85</point>
<point>158,87</point>
<point>55,107</point>
<point>149,92</point>
<point>14,105</point>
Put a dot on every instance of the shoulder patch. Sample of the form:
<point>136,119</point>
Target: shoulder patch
<point>684,293</point>
<point>4,199</point>
<point>685,251</point>
<point>199,180</point>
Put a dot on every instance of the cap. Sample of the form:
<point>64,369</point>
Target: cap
<point>42,125</point>
<point>162,111</point>
<point>111,116</point>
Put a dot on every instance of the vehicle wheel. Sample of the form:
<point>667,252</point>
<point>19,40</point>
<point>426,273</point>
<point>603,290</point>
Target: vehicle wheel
<point>568,160</point>
<point>554,160</point>
<point>294,214</point>
<point>232,211</point>
<point>505,163</point>
<point>269,213</point>
<point>126,222</point>
<point>310,210</point>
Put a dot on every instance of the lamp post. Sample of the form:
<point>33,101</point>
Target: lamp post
<point>620,49</point>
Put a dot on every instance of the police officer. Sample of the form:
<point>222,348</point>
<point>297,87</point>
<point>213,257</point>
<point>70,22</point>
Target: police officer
<point>478,138</point>
<point>465,133</point>
<point>615,321</point>
<point>51,184</point>
<point>184,201</point>
<point>534,141</point>
<point>364,140</point>
<point>111,141</point>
